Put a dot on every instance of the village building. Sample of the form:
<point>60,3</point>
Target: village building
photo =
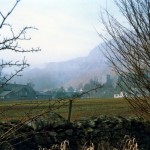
<point>120,95</point>
<point>17,92</point>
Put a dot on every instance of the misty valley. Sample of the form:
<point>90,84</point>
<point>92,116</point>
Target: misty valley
<point>65,79</point>
<point>55,96</point>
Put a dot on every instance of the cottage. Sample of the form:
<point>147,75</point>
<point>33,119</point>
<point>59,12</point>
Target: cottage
<point>17,92</point>
<point>7,95</point>
<point>120,95</point>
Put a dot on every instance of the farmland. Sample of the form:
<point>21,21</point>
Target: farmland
<point>14,110</point>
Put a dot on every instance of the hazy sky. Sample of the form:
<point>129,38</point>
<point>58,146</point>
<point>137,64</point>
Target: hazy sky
<point>66,27</point>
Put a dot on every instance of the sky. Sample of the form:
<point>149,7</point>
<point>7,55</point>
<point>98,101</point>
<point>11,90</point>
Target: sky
<point>66,28</point>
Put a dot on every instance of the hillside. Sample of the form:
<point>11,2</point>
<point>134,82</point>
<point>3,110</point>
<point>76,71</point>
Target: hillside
<point>68,73</point>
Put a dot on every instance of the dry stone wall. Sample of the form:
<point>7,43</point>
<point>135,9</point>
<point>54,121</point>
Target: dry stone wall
<point>50,131</point>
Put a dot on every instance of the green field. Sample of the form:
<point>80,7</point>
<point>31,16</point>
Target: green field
<point>10,110</point>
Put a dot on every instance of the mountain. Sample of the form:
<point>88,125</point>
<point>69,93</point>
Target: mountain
<point>68,73</point>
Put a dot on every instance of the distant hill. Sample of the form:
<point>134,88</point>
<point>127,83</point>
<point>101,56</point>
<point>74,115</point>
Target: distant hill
<point>68,73</point>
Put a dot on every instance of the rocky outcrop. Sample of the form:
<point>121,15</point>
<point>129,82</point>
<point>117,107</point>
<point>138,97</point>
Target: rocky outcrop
<point>54,129</point>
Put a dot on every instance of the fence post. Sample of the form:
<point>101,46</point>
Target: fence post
<point>70,110</point>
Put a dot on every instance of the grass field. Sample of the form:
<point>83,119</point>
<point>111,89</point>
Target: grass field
<point>12,110</point>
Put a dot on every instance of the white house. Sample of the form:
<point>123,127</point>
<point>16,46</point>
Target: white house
<point>120,95</point>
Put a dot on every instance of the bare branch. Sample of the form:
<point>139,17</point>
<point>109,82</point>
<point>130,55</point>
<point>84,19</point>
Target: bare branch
<point>8,14</point>
<point>129,52</point>
<point>2,15</point>
<point>11,42</point>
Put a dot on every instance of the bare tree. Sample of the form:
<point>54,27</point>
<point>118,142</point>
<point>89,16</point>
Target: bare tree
<point>129,51</point>
<point>12,42</point>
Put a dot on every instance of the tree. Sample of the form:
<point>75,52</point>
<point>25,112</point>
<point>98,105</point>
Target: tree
<point>129,51</point>
<point>61,93</point>
<point>12,42</point>
<point>70,89</point>
<point>92,84</point>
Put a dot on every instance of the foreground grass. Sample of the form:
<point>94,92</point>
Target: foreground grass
<point>12,110</point>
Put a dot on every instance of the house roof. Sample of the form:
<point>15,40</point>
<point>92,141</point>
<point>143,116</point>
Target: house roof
<point>17,87</point>
<point>17,90</point>
<point>4,93</point>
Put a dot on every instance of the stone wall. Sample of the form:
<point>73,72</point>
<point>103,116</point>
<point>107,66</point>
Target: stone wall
<point>53,129</point>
